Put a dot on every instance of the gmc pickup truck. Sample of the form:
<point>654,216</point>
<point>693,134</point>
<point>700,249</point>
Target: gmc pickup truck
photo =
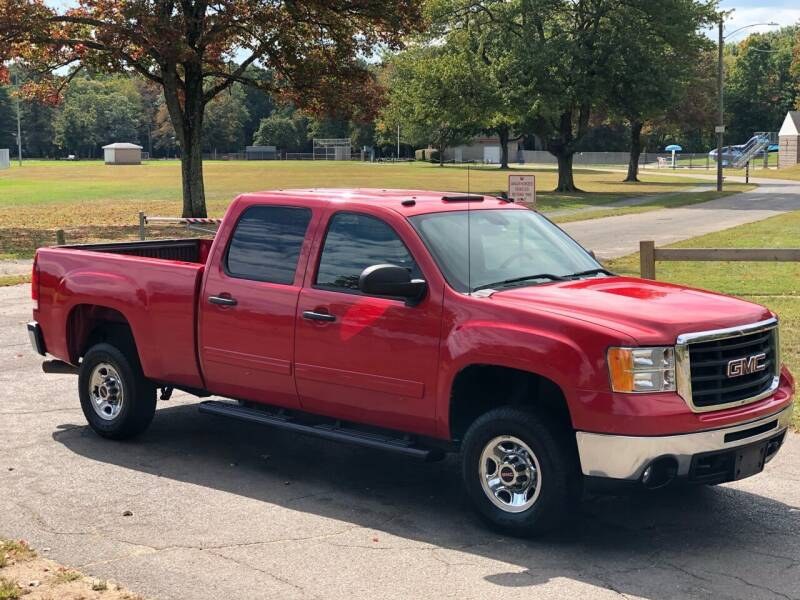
<point>423,323</point>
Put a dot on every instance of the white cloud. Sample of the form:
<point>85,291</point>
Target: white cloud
<point>744,16</point>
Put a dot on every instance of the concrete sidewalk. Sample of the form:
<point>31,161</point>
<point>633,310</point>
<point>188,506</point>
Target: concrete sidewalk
<point>218,509</point>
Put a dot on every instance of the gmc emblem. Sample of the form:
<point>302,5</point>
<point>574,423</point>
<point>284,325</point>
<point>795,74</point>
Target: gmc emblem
<point>747,365</point>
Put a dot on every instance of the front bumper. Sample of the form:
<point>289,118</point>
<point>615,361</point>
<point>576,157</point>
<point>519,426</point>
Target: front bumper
<point>626,457</point>
<point>36,337</point>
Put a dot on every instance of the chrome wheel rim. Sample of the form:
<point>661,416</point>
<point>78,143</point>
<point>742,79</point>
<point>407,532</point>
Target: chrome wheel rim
<point>510,474</point>
<point>105,390</point>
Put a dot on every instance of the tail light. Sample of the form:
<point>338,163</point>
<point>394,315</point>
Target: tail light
<point>35,283</point>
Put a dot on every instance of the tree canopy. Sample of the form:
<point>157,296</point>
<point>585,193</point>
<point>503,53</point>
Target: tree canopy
<point>195,50</point>
<point>437,95</point>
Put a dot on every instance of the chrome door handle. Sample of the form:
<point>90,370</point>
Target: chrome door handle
<point>222,300</point>
<point>318,316</point>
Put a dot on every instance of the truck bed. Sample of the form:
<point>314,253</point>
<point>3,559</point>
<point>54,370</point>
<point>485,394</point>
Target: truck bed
<point>194,250</point>
<point>152,286</point>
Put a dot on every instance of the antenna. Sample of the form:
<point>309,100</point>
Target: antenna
<point>469,240</point>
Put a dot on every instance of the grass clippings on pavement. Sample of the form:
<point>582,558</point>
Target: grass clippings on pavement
<point>25,574</point>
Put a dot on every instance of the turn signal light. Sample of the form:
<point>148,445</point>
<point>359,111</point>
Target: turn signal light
<point>642,369</point>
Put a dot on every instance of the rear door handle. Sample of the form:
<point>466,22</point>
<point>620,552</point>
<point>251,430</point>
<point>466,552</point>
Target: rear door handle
<point>318,316</point>
<point>222,300</point>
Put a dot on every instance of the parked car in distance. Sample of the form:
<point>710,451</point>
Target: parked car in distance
<point>423,323</point>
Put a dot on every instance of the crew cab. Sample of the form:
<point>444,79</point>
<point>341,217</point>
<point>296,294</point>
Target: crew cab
<point>423,323</point>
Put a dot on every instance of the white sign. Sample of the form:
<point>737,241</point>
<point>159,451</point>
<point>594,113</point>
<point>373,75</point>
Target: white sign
<point>522,188</point>
<point>719,129</point>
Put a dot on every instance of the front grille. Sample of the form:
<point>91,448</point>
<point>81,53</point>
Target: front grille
<point>708,360</point>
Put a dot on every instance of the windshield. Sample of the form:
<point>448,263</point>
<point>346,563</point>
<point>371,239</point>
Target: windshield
<point>508,247</point>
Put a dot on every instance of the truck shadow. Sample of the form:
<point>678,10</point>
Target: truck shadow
<point>704,542</point>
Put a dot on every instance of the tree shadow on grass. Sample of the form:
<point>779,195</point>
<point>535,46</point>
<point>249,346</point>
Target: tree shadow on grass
<point>695,542</point>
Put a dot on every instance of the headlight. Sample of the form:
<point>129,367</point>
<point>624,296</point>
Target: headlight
<point>642,369</point>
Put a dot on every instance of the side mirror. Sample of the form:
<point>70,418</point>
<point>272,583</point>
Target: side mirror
<point>391,280</point>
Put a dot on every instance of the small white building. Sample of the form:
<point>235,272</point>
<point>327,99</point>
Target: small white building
<point>5,158</point>
<point>122,153</point>
<point>789,140</point>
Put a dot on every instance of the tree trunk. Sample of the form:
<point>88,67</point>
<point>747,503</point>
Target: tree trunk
<point>186,110</point>
<point>441,150</point>
<point>503,134</point>
<point>636,150</point>
<point>566,180</point>
<point>562,146</point>
<point>194,195</point>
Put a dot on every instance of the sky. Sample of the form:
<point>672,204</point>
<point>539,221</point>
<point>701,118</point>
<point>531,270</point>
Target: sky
<point>746,12</point>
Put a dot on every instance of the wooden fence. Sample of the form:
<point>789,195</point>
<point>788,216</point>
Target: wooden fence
<point>649,255</point>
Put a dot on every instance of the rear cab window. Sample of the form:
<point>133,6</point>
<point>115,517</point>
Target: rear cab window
<point>266,243</point>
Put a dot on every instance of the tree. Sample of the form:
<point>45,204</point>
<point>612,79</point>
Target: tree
<point>8,119</point>
<point>760,88</point>
<point>549,59</point>
<point>652,67</point>
<point>96,112</point>
<point>313,48</point>
<point>226,115</point>
<point>795,68</point>
<point>282,132</point>
<point>435,97</point>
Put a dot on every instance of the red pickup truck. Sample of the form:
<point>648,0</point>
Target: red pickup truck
<point>423,323</point>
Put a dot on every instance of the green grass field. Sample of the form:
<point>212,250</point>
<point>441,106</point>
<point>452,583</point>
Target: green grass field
<point>792,173</point>
<point>92,201</point>
<point>776,285</point>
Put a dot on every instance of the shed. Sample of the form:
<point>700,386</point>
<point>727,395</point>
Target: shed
<point>5,158</point>
<point>122,153</point>
<point>789,140</point>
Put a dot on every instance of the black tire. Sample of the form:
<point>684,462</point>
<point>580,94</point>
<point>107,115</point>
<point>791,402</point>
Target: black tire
<point>559,471</point>
<point>138,393</point>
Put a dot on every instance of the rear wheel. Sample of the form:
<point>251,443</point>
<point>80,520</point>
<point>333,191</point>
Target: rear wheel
<point>519,471</point>
<point>117,399</point>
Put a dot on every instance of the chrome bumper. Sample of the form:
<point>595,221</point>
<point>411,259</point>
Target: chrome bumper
<point>626,457</point>
<point>36,338</point>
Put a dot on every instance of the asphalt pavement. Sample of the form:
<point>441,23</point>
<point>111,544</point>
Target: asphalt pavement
<point>611,237</point>
<point>203,508</point>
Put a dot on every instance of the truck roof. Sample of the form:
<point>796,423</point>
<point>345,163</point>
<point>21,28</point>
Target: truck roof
<point>406,202</point>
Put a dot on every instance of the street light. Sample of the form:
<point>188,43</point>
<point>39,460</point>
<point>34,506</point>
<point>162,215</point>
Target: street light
<point>720,128</point>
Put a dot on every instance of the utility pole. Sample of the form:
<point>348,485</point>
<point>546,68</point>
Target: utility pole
<point>19,123</point>
<point>721,116</point>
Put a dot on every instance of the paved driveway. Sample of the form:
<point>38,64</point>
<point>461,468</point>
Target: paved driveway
<point>227,510</point>
<point>611,237</point>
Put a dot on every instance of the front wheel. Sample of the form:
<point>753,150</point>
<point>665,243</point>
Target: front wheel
<point>117,399</point>
<point>519,471</point>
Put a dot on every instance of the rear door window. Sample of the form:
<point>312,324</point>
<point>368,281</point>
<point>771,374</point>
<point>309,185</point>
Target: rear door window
<point>265,246</point>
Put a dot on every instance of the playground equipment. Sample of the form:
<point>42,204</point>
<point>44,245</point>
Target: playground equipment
<point>739,156</point>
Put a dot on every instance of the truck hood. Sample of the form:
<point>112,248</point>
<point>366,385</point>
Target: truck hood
<point>651,312</point>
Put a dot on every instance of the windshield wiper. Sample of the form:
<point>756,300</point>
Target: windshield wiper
<point>549,276</point>
<point>589,272</point>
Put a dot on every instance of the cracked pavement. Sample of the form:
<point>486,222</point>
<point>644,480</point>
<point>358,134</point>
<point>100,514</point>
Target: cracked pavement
<point>222,509</point>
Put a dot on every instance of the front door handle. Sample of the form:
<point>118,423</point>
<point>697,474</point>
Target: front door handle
<point>318,316</point>
<point>222,300</point>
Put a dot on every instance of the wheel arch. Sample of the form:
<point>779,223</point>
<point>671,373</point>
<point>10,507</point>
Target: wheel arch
<point>90,324</point>
<point>480,387</point>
